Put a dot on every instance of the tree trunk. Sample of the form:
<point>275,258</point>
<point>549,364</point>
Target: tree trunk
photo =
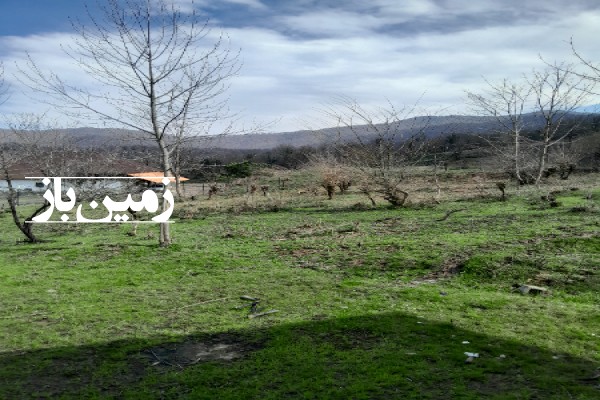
<point>396,197</point>
<point>177,171</point>
<point>542,162</point>
<point>178,186</point>
<point>165,232</point>
<point>517,155</point>
<point>25,228</point>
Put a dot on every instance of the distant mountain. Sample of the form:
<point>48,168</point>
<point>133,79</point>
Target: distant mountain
<point>432,126</point>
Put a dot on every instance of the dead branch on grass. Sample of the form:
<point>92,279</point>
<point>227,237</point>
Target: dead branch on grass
<point>449,213</point>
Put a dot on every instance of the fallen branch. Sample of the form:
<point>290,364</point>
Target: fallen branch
<point>262,314</point>
<point>198,304</point>
<point>248,298</point>
<point>449,213</point>
<point>161,361</point>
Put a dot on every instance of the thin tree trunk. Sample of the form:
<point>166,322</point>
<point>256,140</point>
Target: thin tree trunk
<point>25,228</point>
<point>165,232</point>
<point>178,186</point>
<point>517,155</point>
<point>542,162</point>
<point>436,180</point>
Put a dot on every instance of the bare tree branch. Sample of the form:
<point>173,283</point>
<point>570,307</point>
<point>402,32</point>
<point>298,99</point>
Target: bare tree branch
<point>158,75</point>
<point>379,143</point>
<point>552,95</point>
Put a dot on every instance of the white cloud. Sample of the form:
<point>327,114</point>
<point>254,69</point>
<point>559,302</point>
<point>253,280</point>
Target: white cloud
<point>189,5</point>
<point>346,52</point>
<point>47,52</point>
<point>375,66</point>
<point>332,23</point>
<point>248,3</point>
<point>406,9</point>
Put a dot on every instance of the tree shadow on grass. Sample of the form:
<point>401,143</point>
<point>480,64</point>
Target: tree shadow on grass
<point>384,356</point>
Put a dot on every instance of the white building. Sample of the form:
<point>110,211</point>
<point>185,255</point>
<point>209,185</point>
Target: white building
<point>33,185</point>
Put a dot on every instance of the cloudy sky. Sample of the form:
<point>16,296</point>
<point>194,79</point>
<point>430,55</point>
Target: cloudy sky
<point>300,54</point>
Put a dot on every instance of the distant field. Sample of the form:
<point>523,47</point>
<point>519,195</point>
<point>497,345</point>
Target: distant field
<point>354,301</point>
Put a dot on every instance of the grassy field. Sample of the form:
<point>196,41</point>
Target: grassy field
<point>371,302</point>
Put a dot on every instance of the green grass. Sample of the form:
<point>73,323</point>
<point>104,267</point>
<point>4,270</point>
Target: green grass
<point>372,303</point>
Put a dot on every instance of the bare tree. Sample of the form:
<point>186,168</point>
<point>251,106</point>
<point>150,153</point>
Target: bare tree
<point>559,92</point>
<point>159,78</point>
<point>379,143</point>
<point>29,146</point>
<point>551,96</point>
<point>591,69</point>
<point>10,155</point>
<point>507,103</point>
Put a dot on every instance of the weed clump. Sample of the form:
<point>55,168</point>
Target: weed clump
<point>359,207</point>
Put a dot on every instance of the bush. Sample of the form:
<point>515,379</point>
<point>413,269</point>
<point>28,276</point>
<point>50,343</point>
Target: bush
<point>239,170</point>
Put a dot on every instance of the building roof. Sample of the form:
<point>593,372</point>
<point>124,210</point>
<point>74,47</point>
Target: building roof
<point>155,177</point>
<point>77,165</point>
<point>21,170</point>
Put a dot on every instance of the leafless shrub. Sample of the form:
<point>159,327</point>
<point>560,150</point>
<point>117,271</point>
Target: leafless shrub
<point>213,190</point>
<point>378,145</point>
<point>551,96</point>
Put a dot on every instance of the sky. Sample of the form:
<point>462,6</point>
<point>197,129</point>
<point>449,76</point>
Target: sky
<point>298,56</point>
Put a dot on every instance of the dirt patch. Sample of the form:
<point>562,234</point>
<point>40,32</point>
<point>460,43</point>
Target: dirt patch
<point>451,267</point>
<point>448,269</point>
<point>422,281</point>
<point>194,351</point>
<point>348,339</point>
<point>303,252</point>
<point>494,384</point>
<point>70,374</point>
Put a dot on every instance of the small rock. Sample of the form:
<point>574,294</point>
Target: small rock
<point>530,289</point>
